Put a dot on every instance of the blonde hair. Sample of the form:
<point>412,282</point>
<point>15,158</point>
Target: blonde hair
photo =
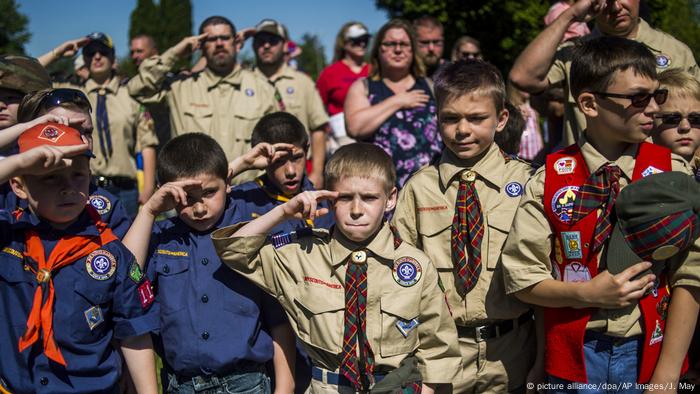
<point>417,66</point>
<point>338,51</point>
<point>680,83</point>
<point>361,160</point>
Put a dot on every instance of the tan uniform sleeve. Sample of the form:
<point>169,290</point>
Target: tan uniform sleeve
<point>147,85</point>
<point>525,258</point>
<point>688,271</point>
<point>145,131</point>
<point>557,72</point>
<point>439,358</point>
<point>404,219</point>
<point>248,256</point>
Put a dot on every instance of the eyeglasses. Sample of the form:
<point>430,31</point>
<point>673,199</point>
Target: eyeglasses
<point>675,118</point>
<point>435,43</point>
<point>223,37</point>
<point>469,55</point>
<point>396,44</point>
<point>359,41</point>
<point>57,97</point>
<point>90,51</point>
<point>639,100</point>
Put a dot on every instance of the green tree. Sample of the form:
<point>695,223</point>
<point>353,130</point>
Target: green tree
<point>504,27</point>
<point>13,28</point>
<point>312,59</point>
<point>680,18</point>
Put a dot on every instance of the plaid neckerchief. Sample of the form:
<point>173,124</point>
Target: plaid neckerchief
<point>599,191</point>
<point>467,233</point>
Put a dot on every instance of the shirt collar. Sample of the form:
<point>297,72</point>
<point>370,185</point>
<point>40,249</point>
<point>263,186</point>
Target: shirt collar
<point>645,35</point>
<point>284,73</point>
<point>212,80</point>
<point>83,226</point>
<point>594,159</point>
<point>111,87</point>
<point>489,168</point>
<point>382,245</point>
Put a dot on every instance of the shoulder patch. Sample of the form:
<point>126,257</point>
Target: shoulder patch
<point>100,203</point>
<point>135,273</point>
<point>100,264</point>
<point>514,189</point>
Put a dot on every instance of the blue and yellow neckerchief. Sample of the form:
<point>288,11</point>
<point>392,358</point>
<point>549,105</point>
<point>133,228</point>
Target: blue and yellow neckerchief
<point>277,196</point>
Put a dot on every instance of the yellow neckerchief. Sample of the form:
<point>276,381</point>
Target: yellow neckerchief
<point>278,197</point>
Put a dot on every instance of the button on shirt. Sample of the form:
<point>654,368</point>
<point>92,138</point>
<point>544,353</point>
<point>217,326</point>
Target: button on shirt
<point>253,201</point>
<point>424,214</point>
<point>93,364</point>
<point>211,318</point>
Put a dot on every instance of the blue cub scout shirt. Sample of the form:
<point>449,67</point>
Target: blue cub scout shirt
<point>253,201</point>
<point>211,318</point>
<point>93,304</point>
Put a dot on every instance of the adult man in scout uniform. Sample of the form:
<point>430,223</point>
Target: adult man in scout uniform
<point>224,101</point>
<point>542,64</point>
<point>295,92</point>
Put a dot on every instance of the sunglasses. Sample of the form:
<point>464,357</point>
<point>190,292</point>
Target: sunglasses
<point>90,51</point>
<point>62,96</point>
<point>639,100</point>
<point>359,41</point>
<point>262,39</point>
<point>675,118</point>
<point>469,55</point>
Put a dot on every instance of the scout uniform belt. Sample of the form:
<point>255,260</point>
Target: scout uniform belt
<point>494,330</point>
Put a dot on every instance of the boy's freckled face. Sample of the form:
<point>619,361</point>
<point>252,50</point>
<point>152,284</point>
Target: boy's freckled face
<point>468,124</point>
<point>360,206</point>
<point>205,205</point>
<point>682,137</point>
<point>59,196</point>
<point>287,172</point>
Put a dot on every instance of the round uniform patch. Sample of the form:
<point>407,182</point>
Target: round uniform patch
<point>407,271</point>
<point>100,203</point>
<point>662,61</point>
<point>563,203</point>
<point>249,92</point>
<point>290,90</point>
<point>514,189</point>
<point>101,264</point>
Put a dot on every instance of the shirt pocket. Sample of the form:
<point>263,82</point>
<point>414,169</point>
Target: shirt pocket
<point>13,272</point>
<point>400,322</point>
<point>198,118</point>
<point>435,233</point>
<point>245,116</point>
<point>321,313</point>
<point>172,283</point>
<point>499,224</point>
<point>91,310</point>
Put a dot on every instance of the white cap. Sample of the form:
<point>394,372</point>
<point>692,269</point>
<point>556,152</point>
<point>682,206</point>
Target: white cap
<point>356,31</point>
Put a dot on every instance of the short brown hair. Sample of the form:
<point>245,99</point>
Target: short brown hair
<point>429,22</point>
<point>456,79</point>
<point>362,160</point>
<point>680,83</point>
<point>417,66</point>
<point>461,41</point>
<point>595,62</point>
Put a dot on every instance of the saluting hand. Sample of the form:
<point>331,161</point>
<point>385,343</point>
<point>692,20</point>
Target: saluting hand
<point>264,154</point>
<point>70,48</point>
<point>170,195</point>
<point>303,205</point>
<point>586,10</point>
<point>189,44</point>
<point>44,159</point>
<point>610,291</point>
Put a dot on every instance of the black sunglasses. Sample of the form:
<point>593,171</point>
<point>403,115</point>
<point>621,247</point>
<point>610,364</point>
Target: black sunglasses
<point>675,118</point>
<point>359,41</point>
<point>266,38</point>
<point>57,97</point>
<point>90,51</point>
<point>639,100</point>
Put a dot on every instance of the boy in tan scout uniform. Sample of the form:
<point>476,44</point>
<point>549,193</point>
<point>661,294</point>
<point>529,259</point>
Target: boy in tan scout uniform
<point>496,335</point>
<point>361,300</point>
<point>602,328</point>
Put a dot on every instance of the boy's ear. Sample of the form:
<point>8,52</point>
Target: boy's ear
<point>391,201</point>
<point>19,188</point>
<point>587,104</point>
<point>502,120</point>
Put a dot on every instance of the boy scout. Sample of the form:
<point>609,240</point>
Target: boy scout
<point>65,279</point>
<point>121,124</point>
<point>224,101</point>
<point>473,186</point>
<point>360,300</point>
<point>284,178</point>
<point>678,120</point>
<point>199,301</point>
<point>295,92</point>
<point>542,64</point>
<point>555,255</point>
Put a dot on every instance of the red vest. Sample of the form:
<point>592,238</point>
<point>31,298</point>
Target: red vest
<point>565,328</point>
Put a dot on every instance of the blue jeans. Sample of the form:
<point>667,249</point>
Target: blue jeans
<point>611,367</point>
<point>237,383</point>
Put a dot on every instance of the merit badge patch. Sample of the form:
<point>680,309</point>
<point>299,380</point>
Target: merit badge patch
<point>249,92</point>
<point>563,203</point>
<point>100,203</point>
<point>662,61</point>
<point>146,294</point>
<point>135,273</point>
<point>576,272</point>
<point>406,326</point>
<point>290,90</point>
<point>514,189</point>
<point>50,133</point>
<point>100,264</point>
<point>657,336</point>
<point>407,271</point>
<point>572,244</point>
<point>94,317</point>
<point>565,165</point>
<point>651,170</point>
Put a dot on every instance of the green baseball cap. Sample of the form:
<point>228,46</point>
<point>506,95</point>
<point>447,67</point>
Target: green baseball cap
<point>658,217</point>
<point>23,73</point>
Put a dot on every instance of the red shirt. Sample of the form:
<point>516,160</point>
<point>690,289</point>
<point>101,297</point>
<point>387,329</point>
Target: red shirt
<point>334,82</point>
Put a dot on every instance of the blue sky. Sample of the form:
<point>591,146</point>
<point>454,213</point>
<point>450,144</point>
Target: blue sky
<point>53,22</point>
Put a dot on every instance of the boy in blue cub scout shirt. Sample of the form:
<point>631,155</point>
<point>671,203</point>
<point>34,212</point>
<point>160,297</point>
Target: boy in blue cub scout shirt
<point>68,286</point>
<point>217,328</point>
<point>284,178</point>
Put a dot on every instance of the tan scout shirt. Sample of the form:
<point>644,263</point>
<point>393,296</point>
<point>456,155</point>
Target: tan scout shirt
<point>225,108</point>
<point>307,277</point>
<point>300,97</point>
<point>130,127</point>
<point>526,255</point>
<point>662,45</point>
<point>424,215</point>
